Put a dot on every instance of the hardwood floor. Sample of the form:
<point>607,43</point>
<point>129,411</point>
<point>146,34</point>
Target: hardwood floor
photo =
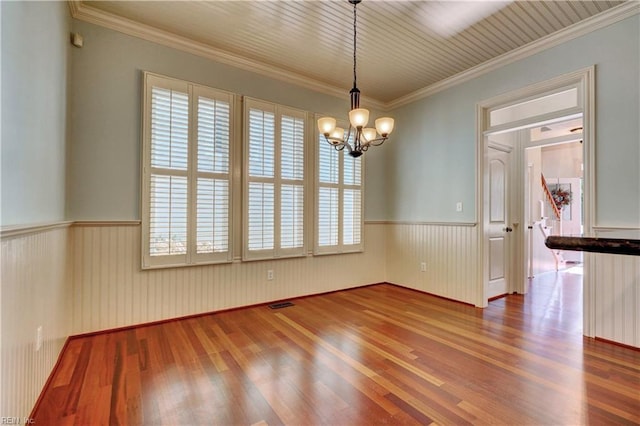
<point>374,355</point>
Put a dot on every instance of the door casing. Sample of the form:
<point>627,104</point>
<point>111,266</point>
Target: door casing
<point>584,80</point>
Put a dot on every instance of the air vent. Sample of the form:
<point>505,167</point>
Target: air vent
<point>280,305</point>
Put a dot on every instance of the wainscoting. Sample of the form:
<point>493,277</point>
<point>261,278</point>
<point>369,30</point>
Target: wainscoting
<point>449,251</point>
<point>616,304</point>
<point>35,292</point>
<point>614,282</point>
<point>86,277</point>
<point>110,289</point>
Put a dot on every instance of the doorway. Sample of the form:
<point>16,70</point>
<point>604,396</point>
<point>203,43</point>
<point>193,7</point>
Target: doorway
<point>554,185</point>
<point>535,188</point>
<point>529,118</point>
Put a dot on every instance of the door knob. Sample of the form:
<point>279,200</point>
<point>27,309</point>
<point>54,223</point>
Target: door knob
<point>508,229</point>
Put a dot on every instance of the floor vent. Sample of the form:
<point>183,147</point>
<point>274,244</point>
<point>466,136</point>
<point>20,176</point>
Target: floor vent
<point>281,305</point>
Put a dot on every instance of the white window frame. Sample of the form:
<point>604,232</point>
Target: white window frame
<point>340,247</point>
<point>277,251</point>
<point>191,257</point>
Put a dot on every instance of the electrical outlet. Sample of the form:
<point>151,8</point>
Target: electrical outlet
<point>459,206</point>
<point>270,275</point>
<point>38,338</point>
<point>423,267</point>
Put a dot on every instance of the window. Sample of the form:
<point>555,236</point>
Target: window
<point>274,212</point>
<point>186,196</point>
<point>339,202</point>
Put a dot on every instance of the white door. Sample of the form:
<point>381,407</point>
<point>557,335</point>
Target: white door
<point>499,228</point>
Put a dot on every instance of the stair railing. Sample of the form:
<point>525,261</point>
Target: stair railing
<point>557,255</point>
<point>547,192</point>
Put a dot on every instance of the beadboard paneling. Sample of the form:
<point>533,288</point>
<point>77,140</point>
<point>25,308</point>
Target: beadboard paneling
<point>449,250</point>
<point>110,289</point>
<point>617,298</point>
<point>35,292</point>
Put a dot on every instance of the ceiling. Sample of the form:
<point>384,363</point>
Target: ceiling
<point>403,46</point>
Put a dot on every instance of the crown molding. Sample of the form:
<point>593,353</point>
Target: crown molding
<point>606,18</point>
<point>81,11</point>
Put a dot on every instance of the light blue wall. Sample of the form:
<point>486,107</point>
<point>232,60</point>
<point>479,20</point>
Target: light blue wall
<point>104,169</point>
<point>434,165</point>
<point>35,46</point>
<point>419,175</point>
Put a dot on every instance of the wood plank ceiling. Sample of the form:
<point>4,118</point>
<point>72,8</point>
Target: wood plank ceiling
<point>403,46</point>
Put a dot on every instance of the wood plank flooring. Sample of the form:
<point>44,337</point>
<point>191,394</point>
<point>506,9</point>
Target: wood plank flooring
<point>373,355</point>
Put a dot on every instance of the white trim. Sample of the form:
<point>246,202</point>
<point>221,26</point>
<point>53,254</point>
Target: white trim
<point>574,137</point>
<point>107,223</point>
<point>499,146</point>
<point>539,120</point>
<point>616,232</point>
<point>84,12</point>
<point>543,88</point>
<point>14,231</point>
<point>615,228</point>
<point>410,222</point>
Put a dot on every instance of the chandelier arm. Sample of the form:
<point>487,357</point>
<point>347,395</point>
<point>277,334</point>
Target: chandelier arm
<point>377,141</point>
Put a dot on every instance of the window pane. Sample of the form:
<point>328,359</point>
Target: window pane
<point>261,143</point>
<point>213,135</point>
<point>292,216</point>
<point>212,217</point>
<point>352,170</point>
<point>168,215</point>
<point>261,216</point>
<point>352,217</point>
<point>169,128</point>
<point>329,162</point>
<point>292,147</point>
<point>328,217</point>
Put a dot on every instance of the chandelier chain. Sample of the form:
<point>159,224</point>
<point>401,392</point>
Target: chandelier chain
<point>355,29</point>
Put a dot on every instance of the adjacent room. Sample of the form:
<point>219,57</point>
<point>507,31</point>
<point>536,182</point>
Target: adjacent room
<point>319,212</point>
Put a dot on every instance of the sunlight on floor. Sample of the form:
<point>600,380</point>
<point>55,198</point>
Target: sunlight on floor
<point>577,270</point>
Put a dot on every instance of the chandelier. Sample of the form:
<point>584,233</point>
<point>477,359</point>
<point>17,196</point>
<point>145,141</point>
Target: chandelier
<point>358,138</point>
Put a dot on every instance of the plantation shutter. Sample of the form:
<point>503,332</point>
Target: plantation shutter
<point>169,160</point>
<point>213,184</point>
<point>274,189</point>
<point>338,201</point>
<point>328,206</point>
<point>292,183</point>
<point>186,179</point>
<point>261,205</point>
<point>352,201</point>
